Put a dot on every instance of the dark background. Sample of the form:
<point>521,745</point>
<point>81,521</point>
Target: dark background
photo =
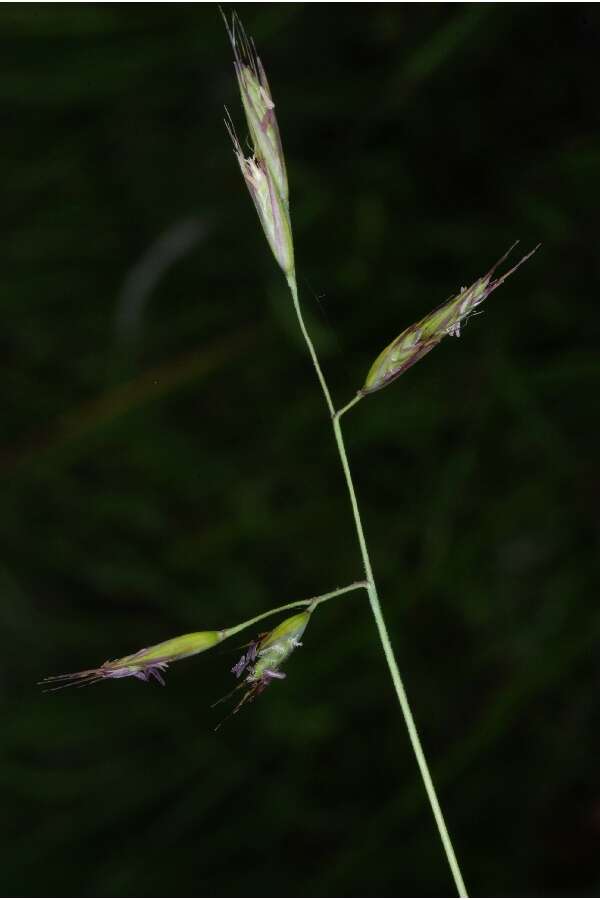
<point>167,463</point>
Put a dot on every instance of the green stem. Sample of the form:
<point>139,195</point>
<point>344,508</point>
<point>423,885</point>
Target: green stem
<point>291,280</point>
<point>348,406</point>
<point>377,611</point>
<point>312,601</point>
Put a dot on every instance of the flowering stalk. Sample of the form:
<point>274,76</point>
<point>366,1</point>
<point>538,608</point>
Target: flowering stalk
<point>405,351</point>
<point>270,161</point>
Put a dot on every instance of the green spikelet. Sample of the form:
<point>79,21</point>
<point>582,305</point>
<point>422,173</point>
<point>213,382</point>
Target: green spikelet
<point>415,342</point>
<point>277,646</point>
<point>151,662</point>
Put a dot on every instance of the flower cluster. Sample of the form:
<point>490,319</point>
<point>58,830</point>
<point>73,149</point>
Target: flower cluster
<point>417,340</point>
<point>263,659</point>
<point>264,170</point>
<point>261,662</point>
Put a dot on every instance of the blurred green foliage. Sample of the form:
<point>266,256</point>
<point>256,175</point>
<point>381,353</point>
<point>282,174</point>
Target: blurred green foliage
<point>179,473</point>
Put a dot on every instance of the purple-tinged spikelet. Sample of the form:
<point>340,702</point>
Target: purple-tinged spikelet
<point>264,657</point>
<point>258,105</point>
<point>148,663</point>
<point>264,170</point>
<point>418,340</point>
<point>107,670</point>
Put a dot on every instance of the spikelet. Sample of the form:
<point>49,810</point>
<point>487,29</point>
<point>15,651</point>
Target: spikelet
<point>278,645</point>
<point>148,663</point>
<point>264,657</point>
<point>258,106</point>
<point>264,171</point>
<point>415,342</point>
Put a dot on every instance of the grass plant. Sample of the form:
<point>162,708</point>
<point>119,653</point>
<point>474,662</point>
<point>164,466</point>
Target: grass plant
<point>265,174</point>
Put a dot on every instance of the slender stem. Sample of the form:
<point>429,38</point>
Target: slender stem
<point>291,280</point>
<point>348,406</point>
<point>395,673</point>
<point>377,611</point>
<point>312,602</point>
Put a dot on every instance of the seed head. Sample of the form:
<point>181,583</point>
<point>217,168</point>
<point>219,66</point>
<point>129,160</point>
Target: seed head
<point>264,170</point>
<point>276,646</point>
<point>148,663</point>
<point>264,657</point>
<point>415,342</point>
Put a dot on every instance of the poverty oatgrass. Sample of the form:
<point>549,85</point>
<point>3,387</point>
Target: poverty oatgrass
<point>265,174</point>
